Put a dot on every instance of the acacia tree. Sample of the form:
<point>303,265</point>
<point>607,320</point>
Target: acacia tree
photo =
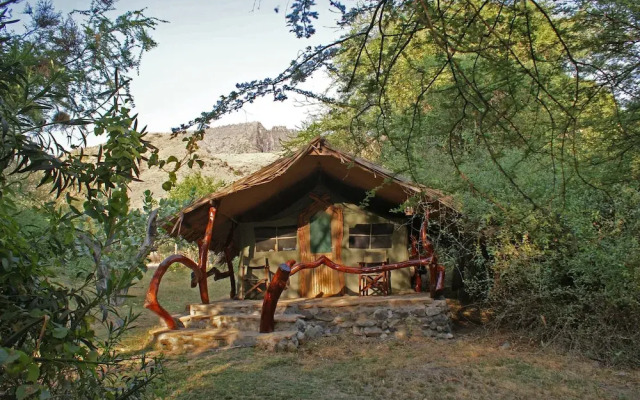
<point>530,111</point>
<point>62,78</point>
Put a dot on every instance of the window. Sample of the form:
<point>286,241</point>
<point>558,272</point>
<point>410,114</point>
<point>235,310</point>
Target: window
<point>370,236</point>
<point>276,238</point>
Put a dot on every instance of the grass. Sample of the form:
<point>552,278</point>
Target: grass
<point>475,365</point>
<point>470,367</point>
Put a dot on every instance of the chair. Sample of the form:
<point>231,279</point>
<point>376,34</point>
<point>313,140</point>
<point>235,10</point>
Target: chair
<point>257,285</point>
<point>377,283</point>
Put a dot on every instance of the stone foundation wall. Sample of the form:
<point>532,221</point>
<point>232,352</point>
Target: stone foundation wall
<point>400,321</point>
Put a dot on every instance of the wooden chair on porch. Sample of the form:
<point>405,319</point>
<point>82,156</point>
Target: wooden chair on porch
<point>257,284</point>
<point>376,283</point>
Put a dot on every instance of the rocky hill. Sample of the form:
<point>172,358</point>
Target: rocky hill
<point>229,152</point>
<point>251,137</point>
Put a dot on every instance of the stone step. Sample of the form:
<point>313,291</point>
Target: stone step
<point>243,322</point>
<point>295,306</point>
<point>197,340</point>
<point>253,307</point>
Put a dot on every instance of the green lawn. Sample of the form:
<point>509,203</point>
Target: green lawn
<point>473,366</point>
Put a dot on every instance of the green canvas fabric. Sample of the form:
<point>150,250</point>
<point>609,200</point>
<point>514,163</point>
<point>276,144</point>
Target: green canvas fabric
<point>320,227</point>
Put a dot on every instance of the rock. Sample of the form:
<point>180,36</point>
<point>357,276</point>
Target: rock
<point>448,335</point>
<point>441,304</point>
<point>364,322</point>
<point>281,345</point>
<point>431,311</point>
<point>417,311</point>
<point>505,346</point>
<point>301,325</point>
<point>346,324</point>
<point>358,331</point>
<point>372,331</point>
<point>440,328</point>
<point>385,324</point>
<point>339,319</point>
<point>412,321</point>
<point>291,346</point>
<point>324,316</point>
<point>313,332</point>
<point>428,333</point>
<point>393,322</point>
<point>381,314</point>
<point>441,319</point>
<point>292,309</point>
<point>384,336</point>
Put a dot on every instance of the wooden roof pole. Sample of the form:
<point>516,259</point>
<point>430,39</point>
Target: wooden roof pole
<point>203,255</point>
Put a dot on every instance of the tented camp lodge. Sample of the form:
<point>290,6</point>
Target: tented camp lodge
<point>342,221</point>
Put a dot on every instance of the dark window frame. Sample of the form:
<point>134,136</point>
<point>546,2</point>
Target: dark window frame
<point>289,232</point>
<point>383,236</point>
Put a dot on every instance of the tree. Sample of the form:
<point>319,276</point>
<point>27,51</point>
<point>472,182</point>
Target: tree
<point>63,78</point>
<point>529,110</point>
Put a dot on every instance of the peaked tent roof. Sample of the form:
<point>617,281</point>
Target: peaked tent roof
<point>274,187</point>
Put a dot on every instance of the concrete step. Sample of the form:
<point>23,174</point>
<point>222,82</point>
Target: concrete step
<point>242,322</point>
<point>189,340</point>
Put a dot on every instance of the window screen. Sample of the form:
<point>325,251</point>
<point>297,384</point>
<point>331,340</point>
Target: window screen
<point>281,238</point>
<point>370,236</point>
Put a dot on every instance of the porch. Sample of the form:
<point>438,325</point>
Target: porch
<point>235,323</point>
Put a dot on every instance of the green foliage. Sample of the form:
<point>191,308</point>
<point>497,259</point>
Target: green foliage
<point>48,346</point>
<point>60,81</point>
<point>193,187</point>
<point>527,114</point>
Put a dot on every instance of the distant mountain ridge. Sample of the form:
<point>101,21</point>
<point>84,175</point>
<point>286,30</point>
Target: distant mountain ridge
<point>250,137</point>
<point>229,152</point>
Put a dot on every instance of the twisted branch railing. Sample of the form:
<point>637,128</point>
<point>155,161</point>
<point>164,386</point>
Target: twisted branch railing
<point>288,269</point>
<point>199,269</point>
<point>428,258</point>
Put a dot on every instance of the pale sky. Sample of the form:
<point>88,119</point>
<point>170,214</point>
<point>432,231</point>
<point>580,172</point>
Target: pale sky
<point>209,46</point>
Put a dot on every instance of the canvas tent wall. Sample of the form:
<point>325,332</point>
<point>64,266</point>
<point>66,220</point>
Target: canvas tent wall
<point>255,244</point>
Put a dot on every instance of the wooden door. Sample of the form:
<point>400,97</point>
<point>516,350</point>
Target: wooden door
<point>320,233</point>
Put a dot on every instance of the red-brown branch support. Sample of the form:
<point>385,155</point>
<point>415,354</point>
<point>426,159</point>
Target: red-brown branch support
<point>151,301</point>
<point>199,269</point>
<point>281,277</point>
<point>436,271</point>
<point>271,297</point>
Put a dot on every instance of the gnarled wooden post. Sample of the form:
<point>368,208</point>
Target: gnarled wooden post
<point>204,256</point>
<point>270,302</point>
<point>436,271</point>
<point>151,301</point>
<point>232,278</point>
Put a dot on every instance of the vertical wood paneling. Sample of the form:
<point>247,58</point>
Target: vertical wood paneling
<point>322,280</point>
